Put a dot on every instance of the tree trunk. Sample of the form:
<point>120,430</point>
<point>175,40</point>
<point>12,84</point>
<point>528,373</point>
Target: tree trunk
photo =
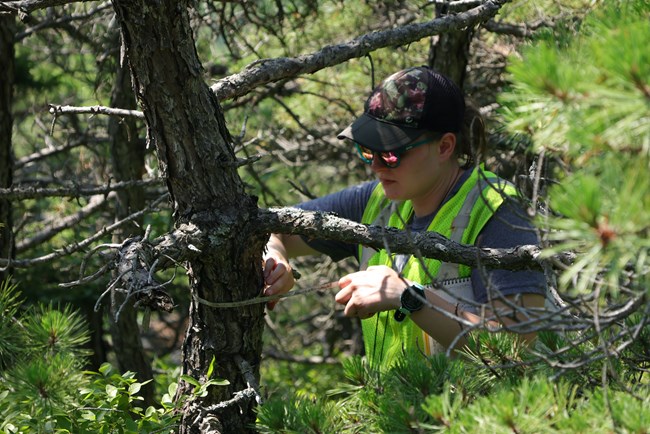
<point>127,157</point>
<point>185,122</point>
<point>449,51</point>
<point>7,31</point>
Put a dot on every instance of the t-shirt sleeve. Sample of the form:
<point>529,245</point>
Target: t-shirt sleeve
<point>508,227</point>
<point>349,204</point>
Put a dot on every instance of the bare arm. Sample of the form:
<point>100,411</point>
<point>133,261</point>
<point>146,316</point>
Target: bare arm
<point>379,289</point>
<point>444,329</point>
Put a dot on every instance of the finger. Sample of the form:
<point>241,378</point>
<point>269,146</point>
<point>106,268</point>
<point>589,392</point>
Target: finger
<point>353,310</point>
<point>281,285</point>
<point>269,265</point>
<point>280,271</point>
<point>345,281</point>
<point>344,295</point>
<point>271,291</point>
<point>349,311</point>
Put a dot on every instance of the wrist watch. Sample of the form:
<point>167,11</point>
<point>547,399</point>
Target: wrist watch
<point>412,300</point>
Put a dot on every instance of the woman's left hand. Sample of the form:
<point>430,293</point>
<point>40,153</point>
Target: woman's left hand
<point>365,293</point>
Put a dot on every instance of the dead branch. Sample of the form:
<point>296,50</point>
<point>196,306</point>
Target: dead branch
<point>456,6</point>
<point>138,259</point>
<point>25,7</point>
<point>75,247</point>
<point>265,71</point>
<point>61,21</point>
<point>268,70</point>
<point>22,193</point>
<point>136,267</point>
<point>94,110</point>
<point>519,30</point>
<point>251,381</point>
<point>58,224</point>
<point>188,240</point>
<point>430,244</point>
<point>51,149</point>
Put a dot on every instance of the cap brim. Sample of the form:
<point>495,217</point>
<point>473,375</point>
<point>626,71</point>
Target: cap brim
<point>378,135</point>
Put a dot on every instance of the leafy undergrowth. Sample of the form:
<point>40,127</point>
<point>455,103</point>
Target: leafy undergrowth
<point>495,386</point>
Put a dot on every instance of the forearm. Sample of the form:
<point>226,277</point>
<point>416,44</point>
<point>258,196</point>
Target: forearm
<point>445,326</point>
<point>443,321</point>
<point>275,246</point>
<point>288,246</point>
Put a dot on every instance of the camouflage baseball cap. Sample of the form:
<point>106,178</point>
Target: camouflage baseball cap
<point>406,105</point>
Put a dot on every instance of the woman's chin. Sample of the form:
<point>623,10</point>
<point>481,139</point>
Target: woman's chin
<point>391,190</point>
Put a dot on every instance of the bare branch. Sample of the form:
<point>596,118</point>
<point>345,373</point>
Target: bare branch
<point>94,110</point>
<point>265,71</point>
<point>60,22</point>
<point>246,394</point>
<point>58,224</point>
<point>29,6</point>
<point>431,244</point>
<point>520,30</point>
<point>51,149</point>
<point>458,5</point>
<point>87,279</point>
<point>136,267</point>
<point>268,70</point>
<point>251,381</point>
<point>15,193</point>
<point>75,247</point>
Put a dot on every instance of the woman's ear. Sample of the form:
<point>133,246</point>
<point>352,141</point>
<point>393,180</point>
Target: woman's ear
<point>447,146</point>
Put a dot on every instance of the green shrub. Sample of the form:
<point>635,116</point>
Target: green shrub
<point>43,387</point>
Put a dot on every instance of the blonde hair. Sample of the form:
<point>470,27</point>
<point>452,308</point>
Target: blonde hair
<point>471,140</point>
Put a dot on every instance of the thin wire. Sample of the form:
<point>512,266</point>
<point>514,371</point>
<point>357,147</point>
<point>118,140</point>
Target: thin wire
<point>266,299</point>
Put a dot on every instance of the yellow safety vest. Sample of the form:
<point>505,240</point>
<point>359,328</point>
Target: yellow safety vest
<point>460,219</point>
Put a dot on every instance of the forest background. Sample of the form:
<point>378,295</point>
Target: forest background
<point>110,189</point>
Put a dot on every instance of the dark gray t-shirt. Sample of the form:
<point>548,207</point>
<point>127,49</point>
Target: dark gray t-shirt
<point>507,228</point>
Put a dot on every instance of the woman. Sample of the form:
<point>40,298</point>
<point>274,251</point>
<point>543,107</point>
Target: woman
<point>417,136</point>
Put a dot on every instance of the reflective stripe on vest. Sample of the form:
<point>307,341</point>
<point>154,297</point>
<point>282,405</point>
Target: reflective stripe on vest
<point>460,219</point>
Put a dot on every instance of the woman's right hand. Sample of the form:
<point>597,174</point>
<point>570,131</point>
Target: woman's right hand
<point>278,276</point>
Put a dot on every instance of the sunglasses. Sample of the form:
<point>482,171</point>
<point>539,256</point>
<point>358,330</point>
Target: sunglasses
<point>390,159</point>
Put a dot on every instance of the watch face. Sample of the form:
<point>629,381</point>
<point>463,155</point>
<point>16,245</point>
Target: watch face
<point>410,300</point>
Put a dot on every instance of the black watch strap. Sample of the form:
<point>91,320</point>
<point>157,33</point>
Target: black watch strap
<point>412,300</point>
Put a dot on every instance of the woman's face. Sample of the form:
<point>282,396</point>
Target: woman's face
<point>423,171</point>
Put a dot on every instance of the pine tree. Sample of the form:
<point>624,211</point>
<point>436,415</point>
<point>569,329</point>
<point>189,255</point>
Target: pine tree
<point>43,385</point>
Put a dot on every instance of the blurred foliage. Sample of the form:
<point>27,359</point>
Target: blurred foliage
<point>587,102</point>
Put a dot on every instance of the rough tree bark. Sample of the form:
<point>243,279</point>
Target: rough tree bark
<point>449,51</point>
<point>185,122</point>
<point>7,31</point>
